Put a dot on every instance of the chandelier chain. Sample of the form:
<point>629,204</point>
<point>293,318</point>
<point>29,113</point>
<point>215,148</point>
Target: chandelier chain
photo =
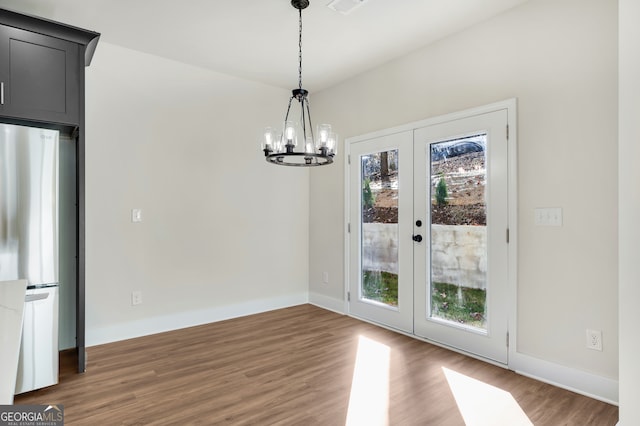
<point>300,52</point>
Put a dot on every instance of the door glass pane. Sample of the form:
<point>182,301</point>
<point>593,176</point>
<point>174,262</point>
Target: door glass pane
<point>458,281</point>
<point>379,244</point>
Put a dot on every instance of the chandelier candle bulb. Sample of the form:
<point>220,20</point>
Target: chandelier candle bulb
<point>290,134</point>
<point>309,147</point>
<point>278,145</point>
<point>332,143</point>
<point>268,139</point>
<point>323,134</point>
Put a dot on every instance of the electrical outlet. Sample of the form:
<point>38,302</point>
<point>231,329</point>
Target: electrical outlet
<point>136,297</point>
<point>325,277</point>
<point>594,340</point>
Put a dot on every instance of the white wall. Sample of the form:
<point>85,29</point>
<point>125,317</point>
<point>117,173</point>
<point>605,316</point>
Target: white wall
<point>559,59</point>
<point>629,203</point>
<point>223,232</point>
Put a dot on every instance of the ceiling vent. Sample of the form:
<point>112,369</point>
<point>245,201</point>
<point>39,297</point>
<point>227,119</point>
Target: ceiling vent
<point>345,6</point>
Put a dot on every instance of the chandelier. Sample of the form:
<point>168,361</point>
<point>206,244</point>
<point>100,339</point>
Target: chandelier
<point>296,144</point>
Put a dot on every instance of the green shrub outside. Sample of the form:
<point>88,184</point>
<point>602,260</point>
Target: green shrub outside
<point>441,192</point>
<point>368,199</point>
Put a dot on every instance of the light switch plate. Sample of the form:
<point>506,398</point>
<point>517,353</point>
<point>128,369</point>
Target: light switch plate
<point>551,216</point>
<point>136,297</point>
<point>136,215</point>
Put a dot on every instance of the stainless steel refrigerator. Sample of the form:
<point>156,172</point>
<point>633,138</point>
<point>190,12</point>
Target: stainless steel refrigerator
<point>29,244</point>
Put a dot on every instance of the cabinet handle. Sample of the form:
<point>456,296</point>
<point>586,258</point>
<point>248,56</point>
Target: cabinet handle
<point>1,92</point>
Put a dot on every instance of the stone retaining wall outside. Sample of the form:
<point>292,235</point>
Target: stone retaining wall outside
<point>459,252</point>
<point>380,247</point>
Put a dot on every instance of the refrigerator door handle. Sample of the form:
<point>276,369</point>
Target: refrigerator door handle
<point>1,92</point>
<point>34,297</point>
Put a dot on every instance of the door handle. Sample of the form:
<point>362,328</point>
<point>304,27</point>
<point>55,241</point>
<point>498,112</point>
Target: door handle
<point>417,238</point>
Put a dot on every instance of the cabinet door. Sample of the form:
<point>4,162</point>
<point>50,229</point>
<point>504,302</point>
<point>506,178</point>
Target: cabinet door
<point>40,77</point>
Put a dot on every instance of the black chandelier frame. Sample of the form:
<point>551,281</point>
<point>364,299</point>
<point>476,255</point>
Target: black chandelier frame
<point>290,157</point>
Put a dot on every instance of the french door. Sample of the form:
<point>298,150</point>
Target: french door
<point>428,249</point>
<point>381,252</point>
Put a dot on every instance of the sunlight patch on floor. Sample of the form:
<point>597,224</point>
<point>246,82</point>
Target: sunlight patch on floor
<point>369,398</point>
<point>482,404</point>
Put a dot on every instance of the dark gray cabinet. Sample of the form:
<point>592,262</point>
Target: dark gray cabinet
<point>42,84</point>
<point>39,77</point>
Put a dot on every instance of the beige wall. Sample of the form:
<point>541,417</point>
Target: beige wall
<point>629,203</point>
<point>223,232</point>
<point>559,59</point>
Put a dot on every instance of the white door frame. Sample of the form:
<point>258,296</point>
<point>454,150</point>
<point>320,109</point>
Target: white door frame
<point>511,106</point>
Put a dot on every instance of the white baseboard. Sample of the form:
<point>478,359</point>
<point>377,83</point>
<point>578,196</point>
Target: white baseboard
<point>160,324</point>
<point>582,382</point>
<point>588,384</point>
<point>578,381</point>
<point>326,302</point>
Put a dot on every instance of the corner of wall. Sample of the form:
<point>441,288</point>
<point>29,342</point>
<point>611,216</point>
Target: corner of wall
<point>327,302</point>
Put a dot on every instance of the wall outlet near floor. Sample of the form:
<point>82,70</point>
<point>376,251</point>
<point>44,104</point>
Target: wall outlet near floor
<point>594,340</point>
<point>325,277</point>
<point>136,298</point>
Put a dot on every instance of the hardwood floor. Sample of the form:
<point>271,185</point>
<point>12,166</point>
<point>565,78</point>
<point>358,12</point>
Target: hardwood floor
<point>295,366</point>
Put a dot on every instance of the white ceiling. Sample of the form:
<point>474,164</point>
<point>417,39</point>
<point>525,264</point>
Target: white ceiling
<point>258,39</point>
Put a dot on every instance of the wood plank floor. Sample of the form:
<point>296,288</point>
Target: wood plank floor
<point>296,366</point>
